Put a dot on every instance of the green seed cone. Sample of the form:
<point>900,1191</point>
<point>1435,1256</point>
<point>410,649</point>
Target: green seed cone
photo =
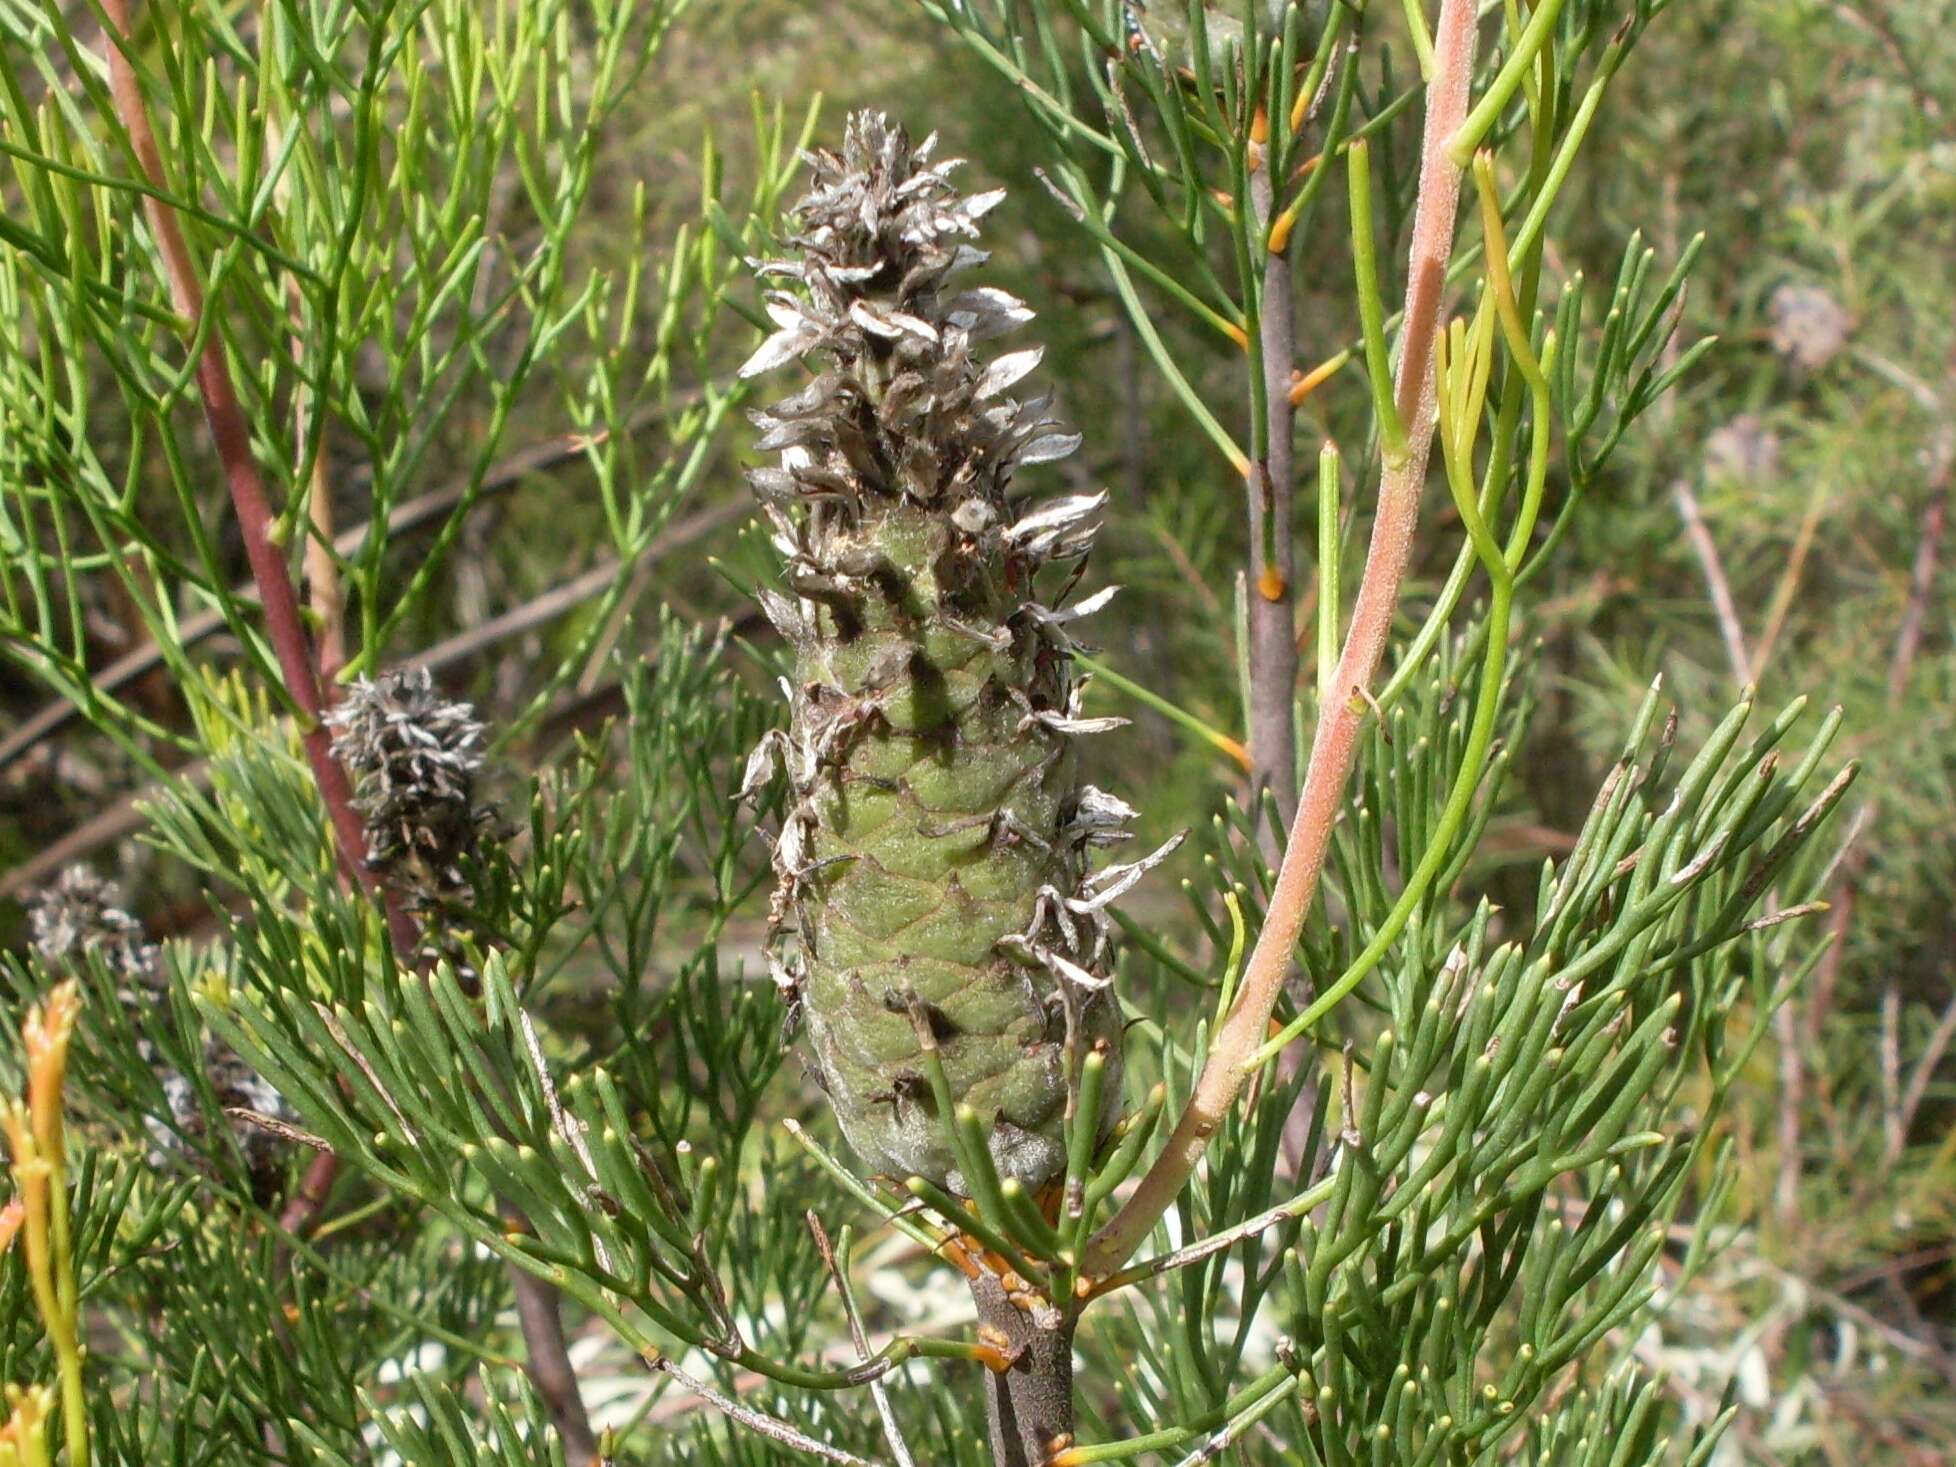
<point>934,887</point>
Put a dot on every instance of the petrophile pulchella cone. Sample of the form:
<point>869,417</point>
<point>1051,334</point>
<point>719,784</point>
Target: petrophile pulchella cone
<point>933,871</point>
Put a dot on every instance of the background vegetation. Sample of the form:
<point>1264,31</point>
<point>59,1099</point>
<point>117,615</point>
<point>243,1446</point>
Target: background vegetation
<point>1778,522</point>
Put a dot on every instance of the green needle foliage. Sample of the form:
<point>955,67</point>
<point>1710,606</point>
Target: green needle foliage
<point>485,1029</point>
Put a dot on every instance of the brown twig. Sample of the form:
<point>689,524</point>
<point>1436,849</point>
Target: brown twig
<point>411,515</point>
<point>1784,594</point>
<point>99,831</point>
<point>572,593</point>
<point>1889,1268</point>
<point>1029,1405</point>
<point>548,1362</point>
<point>1334,745</point>
<point>1723,606</point>
<point>1919,1078</point>
<point>305,1204</point>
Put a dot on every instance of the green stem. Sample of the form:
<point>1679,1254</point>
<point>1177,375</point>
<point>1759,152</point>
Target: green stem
<point>1175,1436</point>
<point>1089,219</point>
<point>63,1326</point>
<point>1330,555</point>
<point>1371,310</point>
<point>1174,713</point>
<point>1488,110</point>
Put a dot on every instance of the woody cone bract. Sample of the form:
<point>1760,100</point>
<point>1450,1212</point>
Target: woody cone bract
<point>933,873</point>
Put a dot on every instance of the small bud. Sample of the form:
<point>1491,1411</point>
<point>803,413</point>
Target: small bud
<point>45,1035</point>
<point>11,1218</point>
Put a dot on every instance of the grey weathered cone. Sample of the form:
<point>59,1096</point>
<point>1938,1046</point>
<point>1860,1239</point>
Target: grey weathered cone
<point>934,886</point>
<point>80,913</point>
<point>413,756</point>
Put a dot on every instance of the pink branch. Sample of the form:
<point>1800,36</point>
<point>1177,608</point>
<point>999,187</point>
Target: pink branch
<point>284,628</point>
<point>1334,746</point>
<point>298,659</point>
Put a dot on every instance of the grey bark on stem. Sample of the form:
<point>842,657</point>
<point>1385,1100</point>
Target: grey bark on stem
<point>1334,745</point>
<point>1028,1407</point>
<point>1272,591</point>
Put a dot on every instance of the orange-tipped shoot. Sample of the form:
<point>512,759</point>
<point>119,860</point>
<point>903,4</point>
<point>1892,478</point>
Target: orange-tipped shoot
<point>1305,383</point>
<point>24,1437</point>
<point>45,1035</point>
<point>40,1213</point>
<point>30,1167</point>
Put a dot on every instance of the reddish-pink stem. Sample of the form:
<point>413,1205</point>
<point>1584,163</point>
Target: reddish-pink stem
<point>284,628</point>
<point>299,666</point>
<point>304,1205</point>
<point>1334,745</point>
